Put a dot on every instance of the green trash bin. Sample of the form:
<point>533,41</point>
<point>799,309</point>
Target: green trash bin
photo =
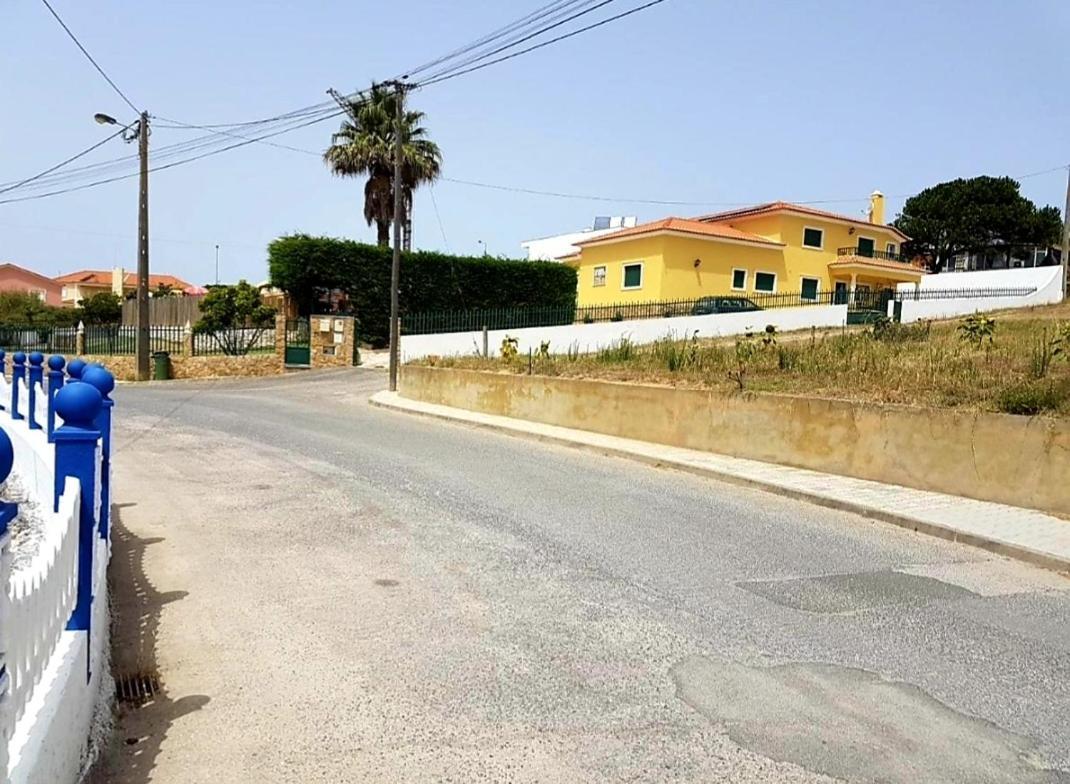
<point>161,366</point>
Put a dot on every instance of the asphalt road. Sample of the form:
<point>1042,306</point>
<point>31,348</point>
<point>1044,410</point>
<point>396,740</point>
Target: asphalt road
<point>333,592</point>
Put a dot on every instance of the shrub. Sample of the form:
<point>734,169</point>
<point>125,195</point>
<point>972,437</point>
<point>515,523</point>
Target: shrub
<point>977,329</point>
<point>309,268</point>
<point>1032,397</point>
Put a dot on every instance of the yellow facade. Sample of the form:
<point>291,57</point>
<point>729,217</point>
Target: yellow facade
<point>689,259</point>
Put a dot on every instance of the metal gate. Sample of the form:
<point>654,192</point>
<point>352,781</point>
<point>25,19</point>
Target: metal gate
<point>298,350</point>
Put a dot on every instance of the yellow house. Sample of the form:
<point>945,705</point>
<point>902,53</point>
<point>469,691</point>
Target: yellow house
<point>775,248</point>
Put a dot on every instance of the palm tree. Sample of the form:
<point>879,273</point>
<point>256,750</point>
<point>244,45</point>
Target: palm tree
<point>364,146</point>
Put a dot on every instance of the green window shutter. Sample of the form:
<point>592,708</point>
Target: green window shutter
<point>764,281</point>
<point>809,288</point>
<point>812,238</point>
<point>633,276</point>
<point>739,279</point>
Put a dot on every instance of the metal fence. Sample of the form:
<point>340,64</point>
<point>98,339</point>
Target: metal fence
<point>557,315</point>
<point>925,294</point>
<point>121,340</point>
<point>234,342</point>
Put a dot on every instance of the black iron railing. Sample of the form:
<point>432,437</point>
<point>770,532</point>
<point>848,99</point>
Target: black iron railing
<point>872,253</point>
<point>520,317</point>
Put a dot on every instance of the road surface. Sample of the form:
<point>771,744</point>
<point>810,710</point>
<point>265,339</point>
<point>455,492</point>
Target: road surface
<point>336,593</point>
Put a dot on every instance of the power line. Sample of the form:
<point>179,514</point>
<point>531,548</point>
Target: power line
<point>510,56</point>
<point>438,217</point>
<point>242,143</point>
<point>89,57</point>
<point>494,35</point>
<point>239,136</point>
<point>62,163</point>
<point>555,18</point>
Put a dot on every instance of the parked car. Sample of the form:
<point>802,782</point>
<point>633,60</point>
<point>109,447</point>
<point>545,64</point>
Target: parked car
<point>709,305</point>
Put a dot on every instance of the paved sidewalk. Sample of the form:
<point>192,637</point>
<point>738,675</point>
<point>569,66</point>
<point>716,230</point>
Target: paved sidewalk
<point>1019,533</point>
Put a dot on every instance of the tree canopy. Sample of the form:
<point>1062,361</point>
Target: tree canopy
<point>971,215</point>
<point>101,308</point>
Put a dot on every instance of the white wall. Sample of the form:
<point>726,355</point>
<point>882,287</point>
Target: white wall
<point>1046,280</point>
<point>591,337</point>
<point>553,248</point>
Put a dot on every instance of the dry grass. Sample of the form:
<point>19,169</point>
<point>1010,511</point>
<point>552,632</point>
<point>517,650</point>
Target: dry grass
<point>1019,371</point>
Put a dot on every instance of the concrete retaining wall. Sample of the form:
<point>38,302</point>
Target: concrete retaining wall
<point>214,366</point>
<point>591,337</point>
<point>1015,460</point>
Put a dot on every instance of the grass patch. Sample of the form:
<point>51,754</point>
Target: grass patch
<point>1019,364</point>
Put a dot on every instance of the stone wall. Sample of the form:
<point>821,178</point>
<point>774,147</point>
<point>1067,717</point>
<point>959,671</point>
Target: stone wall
<point>1022,461</point>
<point>215,366</point>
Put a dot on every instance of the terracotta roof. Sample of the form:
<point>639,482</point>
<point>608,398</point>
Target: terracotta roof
<point>103,278</point>
<point>685,226</point>
<point>38,275</point>
<point>786,206</point>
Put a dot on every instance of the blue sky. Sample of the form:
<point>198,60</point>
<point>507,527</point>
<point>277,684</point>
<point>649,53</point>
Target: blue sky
<point>693,100</point>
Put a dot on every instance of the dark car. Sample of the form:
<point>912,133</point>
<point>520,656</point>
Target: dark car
<point>709,305</point>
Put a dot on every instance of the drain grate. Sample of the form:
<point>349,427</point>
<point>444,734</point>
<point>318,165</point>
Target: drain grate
<point>137,689</point>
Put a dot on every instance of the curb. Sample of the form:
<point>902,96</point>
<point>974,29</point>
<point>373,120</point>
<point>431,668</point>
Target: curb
<point>1047,560</point>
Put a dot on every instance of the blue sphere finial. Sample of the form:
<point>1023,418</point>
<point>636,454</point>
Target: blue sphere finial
<point>75,367</point>
<point>36,358</point>
<point>7,455</point>
<point>56,362</point>
<point>79,404</point>
<point>19,357</point>
<point>100,378</point>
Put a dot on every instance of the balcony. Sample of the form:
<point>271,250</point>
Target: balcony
<point>871,253</point>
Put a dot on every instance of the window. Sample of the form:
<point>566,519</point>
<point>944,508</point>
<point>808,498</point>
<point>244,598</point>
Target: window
<point>891,249</point>
<point>633,276</point>
<point>813,238</point>
<point>599,276</point>
<point>765,281</point>
<point>865,247</point>
<point>739,280</point>
<point>809,289</point>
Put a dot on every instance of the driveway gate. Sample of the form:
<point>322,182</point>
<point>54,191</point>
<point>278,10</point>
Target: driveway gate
<point>298,351</point>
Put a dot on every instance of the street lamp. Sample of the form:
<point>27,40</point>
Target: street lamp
<point>484,246</point>
<point>139,130</point>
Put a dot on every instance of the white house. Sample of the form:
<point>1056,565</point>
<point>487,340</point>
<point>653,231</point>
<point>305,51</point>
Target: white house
<point>553,248</point>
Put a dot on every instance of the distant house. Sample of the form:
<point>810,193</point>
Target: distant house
<point>553,248</point>
<point>85,283</point>
<point>1010,257</point>
<point>16,278</point>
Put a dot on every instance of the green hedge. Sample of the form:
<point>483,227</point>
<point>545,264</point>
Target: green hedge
<point>307,267</point>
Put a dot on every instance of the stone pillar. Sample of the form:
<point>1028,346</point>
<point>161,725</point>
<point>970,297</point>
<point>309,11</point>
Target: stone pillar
<point>187,340</point>
<point>280,336</point>
<point>332,340</point>
<point>79,339</point>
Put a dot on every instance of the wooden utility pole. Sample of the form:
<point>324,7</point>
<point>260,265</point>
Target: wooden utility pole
<point>142,343</point>
<point>395,267</point>
<point>1065,261</point>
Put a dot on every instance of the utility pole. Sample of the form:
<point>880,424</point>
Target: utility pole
<point>142,343</point>
<point>1065,261</point>
<point>395,267</point>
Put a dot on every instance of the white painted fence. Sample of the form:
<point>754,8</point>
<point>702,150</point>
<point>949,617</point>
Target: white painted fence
<point>1047,282</point>
<point>591,337</point>
<point>42,595</point>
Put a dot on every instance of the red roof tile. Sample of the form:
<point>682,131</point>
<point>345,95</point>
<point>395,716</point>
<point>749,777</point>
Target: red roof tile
<point>103,278</point>
<point>785,206</point>
<point>685,226</point>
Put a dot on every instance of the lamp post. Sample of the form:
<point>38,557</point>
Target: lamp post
<point>217,265</point>
<point>139,130</point>
<point>481,242</point>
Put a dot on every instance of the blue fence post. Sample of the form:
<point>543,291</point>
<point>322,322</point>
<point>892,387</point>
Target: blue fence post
<point>55,384</point>
<point>36,376</point>
<point>8,509</point>
<point>3,372</point>
<point>18,375</point>
<point>75,368</point>
<point>99,377</point>
<point>76,452</point>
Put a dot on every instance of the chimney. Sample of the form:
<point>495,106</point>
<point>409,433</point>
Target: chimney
<point>117,276</point>
<point>876,208</point>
